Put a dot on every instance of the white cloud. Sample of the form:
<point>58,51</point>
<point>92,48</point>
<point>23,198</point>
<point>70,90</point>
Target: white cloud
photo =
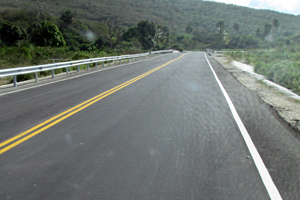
<point>283,5</point>
<point>286,6</point>
<point>236,2</point>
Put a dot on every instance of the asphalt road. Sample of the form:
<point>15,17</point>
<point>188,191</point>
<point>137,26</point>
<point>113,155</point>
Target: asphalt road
<point>168,134</point>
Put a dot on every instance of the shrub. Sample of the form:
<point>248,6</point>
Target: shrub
<point>23,77</point>
<point>177,47</point>
<point>47,34</point>
<point>80,56</point>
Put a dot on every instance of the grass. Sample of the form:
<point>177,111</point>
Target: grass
<point>296,101</point>
<point>281,66</point>
<point>280,93</point>
<point>262,82</point>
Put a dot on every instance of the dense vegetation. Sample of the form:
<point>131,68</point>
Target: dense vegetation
<point>177,14</point>
<point>191,23</point>
<point>200,16</point>
<point>281,65</point>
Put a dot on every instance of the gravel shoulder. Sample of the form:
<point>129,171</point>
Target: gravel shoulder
<point>288,108</point>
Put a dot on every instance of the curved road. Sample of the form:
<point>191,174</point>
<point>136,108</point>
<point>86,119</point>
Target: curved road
<point>155,129</point>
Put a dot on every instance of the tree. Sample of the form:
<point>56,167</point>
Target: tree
<point>67,17</point>
<point>47,34</point>
<point>99,42</point>
<point>244,41</point>
<point>258,33</point>
<point>236,27</point>
<point>222,32</point>
<point>276,23</point>
<point>162,35</point>
<point>159,34</point>
<point>10,33</point>
<point>113,31</point>
<point>189,29</point>
<point>166,34</point>
<point>132,32</point>
<point>147,32</point>
<point>267,30</point>
<point>220,25</point>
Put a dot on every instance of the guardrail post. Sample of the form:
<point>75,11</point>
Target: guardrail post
<point>128,59</point>
<point>124,60</point>
<point>78,68</point>
<point>53,74</point>
<point>88,66</point>
<point>96,65</point>
<point>15,80</point>
<point>36,77</point>
<point>103,64</point>
<point>120,61</point>
<point>109,63</point>
<point>67,70</point>
<point>115,62</point>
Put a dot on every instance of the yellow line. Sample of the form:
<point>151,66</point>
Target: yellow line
<point>78,107</point>
<point>65,112</point>
<point>55,117</point>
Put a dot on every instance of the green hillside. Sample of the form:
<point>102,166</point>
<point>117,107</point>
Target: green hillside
<point>177,14</point>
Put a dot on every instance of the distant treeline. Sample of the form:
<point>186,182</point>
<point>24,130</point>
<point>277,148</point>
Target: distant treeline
<point>27,30</point>
<point>177,14</point>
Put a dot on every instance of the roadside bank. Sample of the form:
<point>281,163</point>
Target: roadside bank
<point>288,108</point>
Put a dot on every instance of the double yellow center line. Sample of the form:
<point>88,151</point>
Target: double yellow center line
<point>22,137</point>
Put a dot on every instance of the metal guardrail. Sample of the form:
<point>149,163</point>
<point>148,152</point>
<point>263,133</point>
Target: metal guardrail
<point>161,51</point>
<point>214,51</point>
<point>47,67</point>
<point>243,51</point>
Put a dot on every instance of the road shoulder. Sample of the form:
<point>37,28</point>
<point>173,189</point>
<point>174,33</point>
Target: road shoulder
<point>287,107</point>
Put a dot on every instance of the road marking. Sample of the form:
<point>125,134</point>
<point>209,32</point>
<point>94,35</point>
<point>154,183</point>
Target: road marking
<point>262,170</point>
<point>77,76</point>
<point>64,115</point>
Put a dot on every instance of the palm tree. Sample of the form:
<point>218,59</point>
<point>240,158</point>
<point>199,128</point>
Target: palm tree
<point>222,32</point>
<point>276,23</point>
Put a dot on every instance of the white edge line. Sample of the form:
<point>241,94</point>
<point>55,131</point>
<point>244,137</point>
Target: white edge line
<point>262,170</point>
<point>100,70</point>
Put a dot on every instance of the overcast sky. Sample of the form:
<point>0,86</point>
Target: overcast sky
<point>285,6</point>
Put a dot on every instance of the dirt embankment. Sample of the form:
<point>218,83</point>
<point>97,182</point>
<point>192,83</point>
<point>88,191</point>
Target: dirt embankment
<point>288,108</point>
